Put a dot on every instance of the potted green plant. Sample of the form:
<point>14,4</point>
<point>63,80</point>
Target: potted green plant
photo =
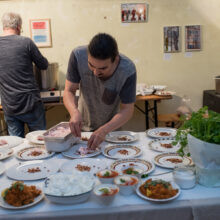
<point>199,136</point>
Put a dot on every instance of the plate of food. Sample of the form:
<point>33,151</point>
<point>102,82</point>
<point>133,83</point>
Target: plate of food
<point>20,196</point>
<point>122,151</point>
<point>36,152</point>
<point>90,165</point>
<point>158,190</point>
<point>32,170</point>
<point>5,153</point>
<point>80,151</point>
<point>133,166</point>
<point>164,145</point>
<point>36,137</point>
<point>10,141</point>
<point>121,137</point>
<point>161,132</point>
<point>170,160</point>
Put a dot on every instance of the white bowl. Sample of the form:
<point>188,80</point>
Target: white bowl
<point>105,199</point>
<point>60,192</point>
<point>158,87</point>
<point>106,179</point>
<point>126,183</point>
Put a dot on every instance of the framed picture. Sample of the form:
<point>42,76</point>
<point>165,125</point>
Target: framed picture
<point>192,38</point>
<point>134,12</point>
<point>171,39</point>
<point>40,32</point>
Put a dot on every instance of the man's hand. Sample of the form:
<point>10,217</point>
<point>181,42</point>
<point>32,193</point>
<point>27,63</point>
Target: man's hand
<point>96,138</point>
<point>76,123</point>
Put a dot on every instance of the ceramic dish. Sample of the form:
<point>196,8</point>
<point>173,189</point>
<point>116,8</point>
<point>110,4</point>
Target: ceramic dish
<point>5,205</point>
<point>121,151</point>
<point>32,170</point>
<point>68,188</point>
<point>35,137</point>
<point>33,153</point>
<point>162,132</point>
<point>5,153</point>
<point>105,193</point>
<point>170,160</point>
<point>12,141</point>
<point>133,166</point>
<point>164,93</point>
<point>74,152</point>
<point>164,145</point>
<point>121,137</point>
<point>174,185</point>
<point>158,87</point>
<point>84,165</point>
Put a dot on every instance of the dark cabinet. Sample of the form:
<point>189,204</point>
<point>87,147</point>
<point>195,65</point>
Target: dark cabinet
<point>212,100</point>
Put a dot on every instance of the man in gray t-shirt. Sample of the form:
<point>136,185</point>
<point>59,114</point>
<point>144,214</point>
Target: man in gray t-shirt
<point>20,96</point>
<point>106,79</point>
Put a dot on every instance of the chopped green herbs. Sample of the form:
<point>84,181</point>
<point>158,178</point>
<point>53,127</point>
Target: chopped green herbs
<point>122,180</point>
<point>144,175</point>
<point>104,190</point>
<point>107,173</point>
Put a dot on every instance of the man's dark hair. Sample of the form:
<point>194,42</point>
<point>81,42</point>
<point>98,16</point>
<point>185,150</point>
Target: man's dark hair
<point>103,46</point>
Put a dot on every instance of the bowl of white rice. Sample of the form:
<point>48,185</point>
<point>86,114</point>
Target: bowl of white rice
<point>68,188</point>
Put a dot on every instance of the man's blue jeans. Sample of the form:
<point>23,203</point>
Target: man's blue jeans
<point>34,119</point>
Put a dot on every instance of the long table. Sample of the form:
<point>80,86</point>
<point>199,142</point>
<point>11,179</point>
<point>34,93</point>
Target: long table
<point>198,203</point>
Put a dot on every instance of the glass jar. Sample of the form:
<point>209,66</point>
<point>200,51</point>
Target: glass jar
<point>185,177</point>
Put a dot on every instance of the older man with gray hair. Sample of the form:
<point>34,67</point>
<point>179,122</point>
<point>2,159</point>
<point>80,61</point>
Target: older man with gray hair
<point>20,95</point>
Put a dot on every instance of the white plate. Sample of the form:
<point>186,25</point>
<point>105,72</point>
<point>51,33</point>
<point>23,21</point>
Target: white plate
<point>12,141</point>
<point>5,153</point>
<point>164,93</point>
<point>165,160</point>
<point>141,166</point>
<point>174,185</point>
<point>118,136</point>
<point>160,145</point>
<point>95,165</point>
<point>5,205</point>
<point>72,152</point>
<point>32,137</point>
<point>20,170</point>
<point>25,153</point>
<point>121,151</point>
<point>2,168</point>
<point>162,132</point>
<point>158,87</point>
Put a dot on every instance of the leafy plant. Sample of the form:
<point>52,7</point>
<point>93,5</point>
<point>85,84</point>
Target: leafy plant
<point>203,124</point>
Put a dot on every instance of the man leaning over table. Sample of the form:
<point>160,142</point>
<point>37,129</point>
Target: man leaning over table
<point>107,83</point>
<point>20,96</point>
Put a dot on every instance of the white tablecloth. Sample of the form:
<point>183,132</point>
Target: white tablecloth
<point>194,203</point>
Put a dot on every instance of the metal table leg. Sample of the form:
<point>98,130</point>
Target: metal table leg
<point>146,115</point>
<point>155,114</point>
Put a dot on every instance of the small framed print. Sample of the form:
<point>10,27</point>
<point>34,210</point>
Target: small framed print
<point>193,38</point>
<point>40,32</point>
<point>134,12</point>
<point>171,39</point>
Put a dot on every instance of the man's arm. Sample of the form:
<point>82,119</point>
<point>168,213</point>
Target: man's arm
<point>36,56</point>
<point>70,102</point>
<point>125,113</point>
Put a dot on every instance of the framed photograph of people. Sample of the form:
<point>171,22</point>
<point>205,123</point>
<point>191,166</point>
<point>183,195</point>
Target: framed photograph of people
<point>40,32</point>
<point>193,38</point>
<point>134,12</point>
<point>171,39</point>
